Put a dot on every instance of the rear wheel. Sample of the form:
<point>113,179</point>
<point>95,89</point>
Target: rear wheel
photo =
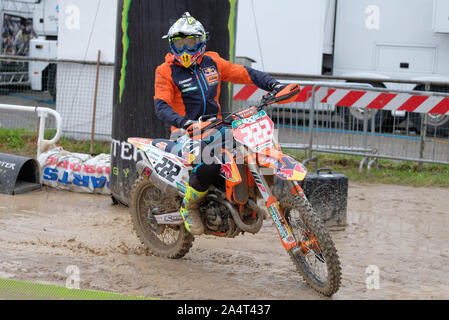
<point>168,241</point>
<point>315,256</point>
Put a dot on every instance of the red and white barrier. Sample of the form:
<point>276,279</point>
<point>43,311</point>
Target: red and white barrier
<point>359,98</point>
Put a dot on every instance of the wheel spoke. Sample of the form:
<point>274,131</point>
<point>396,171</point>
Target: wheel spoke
<point>162,240</point>
<point>313,257</point>
<point>151,199</point>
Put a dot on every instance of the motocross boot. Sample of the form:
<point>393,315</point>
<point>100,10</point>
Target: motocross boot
<point>190,210</point>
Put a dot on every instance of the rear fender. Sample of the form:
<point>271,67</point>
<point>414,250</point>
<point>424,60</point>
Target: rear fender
<point>141,143</point>
<point>168,168</point>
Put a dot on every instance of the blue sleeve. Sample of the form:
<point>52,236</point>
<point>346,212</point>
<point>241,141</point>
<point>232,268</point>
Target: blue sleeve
<point>261,79</point>
<point>166,113</point>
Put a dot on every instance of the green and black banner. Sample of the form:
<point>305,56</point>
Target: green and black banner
<point>139,50</point>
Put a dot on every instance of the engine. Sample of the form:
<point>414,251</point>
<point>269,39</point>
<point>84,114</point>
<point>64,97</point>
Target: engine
<point>217,217</point>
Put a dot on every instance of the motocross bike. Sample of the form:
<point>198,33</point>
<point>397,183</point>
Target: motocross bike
<point>231,208</point>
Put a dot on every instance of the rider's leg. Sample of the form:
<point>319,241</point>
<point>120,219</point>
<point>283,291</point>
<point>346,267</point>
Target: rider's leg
<point>200,180</point>
<point>190,207</point>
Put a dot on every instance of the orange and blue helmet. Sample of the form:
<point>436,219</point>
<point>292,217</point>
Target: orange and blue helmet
<point>187,40</point>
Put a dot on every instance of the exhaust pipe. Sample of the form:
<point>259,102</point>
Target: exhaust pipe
<point>251,228</point>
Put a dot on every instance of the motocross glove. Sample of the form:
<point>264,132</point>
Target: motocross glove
<point>188,123</point>
<point>277,87</point>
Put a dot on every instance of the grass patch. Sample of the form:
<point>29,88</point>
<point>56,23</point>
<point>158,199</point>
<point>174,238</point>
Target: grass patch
<point>23,142</point>
<point>80,146</point>
<point>20,142</point>
<point>388,171</point>
<point>15,138</point>
<point>22,290</point>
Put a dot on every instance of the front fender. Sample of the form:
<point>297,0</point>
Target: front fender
<point>285,167</point>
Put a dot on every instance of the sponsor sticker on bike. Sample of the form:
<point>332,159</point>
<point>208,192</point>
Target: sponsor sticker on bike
<point>171,218</point>
<point>181,186</point>
<point>147,172</point>
<point>230,172</point>
<point>153,156</point>
<point>283,229</point>
<point>245,113</point>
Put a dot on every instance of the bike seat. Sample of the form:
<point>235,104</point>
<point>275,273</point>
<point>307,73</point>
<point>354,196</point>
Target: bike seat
<point>177,134</point>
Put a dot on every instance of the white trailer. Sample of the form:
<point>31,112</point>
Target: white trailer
<point>402,39</point>
<point>16,26</point>
<point>377,39</point>
<point>29,28</point>
<point>45,24</point>
<point>86,27</point>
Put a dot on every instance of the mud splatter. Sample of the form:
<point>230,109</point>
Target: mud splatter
<point>401,230</point>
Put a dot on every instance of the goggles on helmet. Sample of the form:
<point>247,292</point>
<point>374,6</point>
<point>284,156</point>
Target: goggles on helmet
<point>190,43</point>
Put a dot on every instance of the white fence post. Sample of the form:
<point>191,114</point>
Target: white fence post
<point>42,113</point>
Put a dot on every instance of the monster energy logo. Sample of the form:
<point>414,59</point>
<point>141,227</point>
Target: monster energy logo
<point>231,28</point>
<point>125,43</point>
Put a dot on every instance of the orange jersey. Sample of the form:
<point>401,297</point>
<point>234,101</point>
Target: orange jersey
<point>183,94</point>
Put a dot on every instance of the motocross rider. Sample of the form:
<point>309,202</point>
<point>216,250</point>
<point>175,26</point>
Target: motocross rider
<point>187,86</point>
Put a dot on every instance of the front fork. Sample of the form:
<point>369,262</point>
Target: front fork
<point>285,233</point>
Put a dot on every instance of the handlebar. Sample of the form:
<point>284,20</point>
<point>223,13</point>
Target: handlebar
<point>286,95</point>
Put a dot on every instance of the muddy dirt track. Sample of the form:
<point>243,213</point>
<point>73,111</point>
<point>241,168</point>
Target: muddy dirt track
<point>403,231</point>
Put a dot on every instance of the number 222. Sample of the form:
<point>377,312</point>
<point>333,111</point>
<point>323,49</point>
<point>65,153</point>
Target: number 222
<point>257,132</point>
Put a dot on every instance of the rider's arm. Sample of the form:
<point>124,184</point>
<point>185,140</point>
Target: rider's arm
<point>164,97</point>
<point>236,73</point>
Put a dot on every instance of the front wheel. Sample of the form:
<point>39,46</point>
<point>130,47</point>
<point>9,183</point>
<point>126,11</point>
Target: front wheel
<point>167,241</point>
<point>315,256</point>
